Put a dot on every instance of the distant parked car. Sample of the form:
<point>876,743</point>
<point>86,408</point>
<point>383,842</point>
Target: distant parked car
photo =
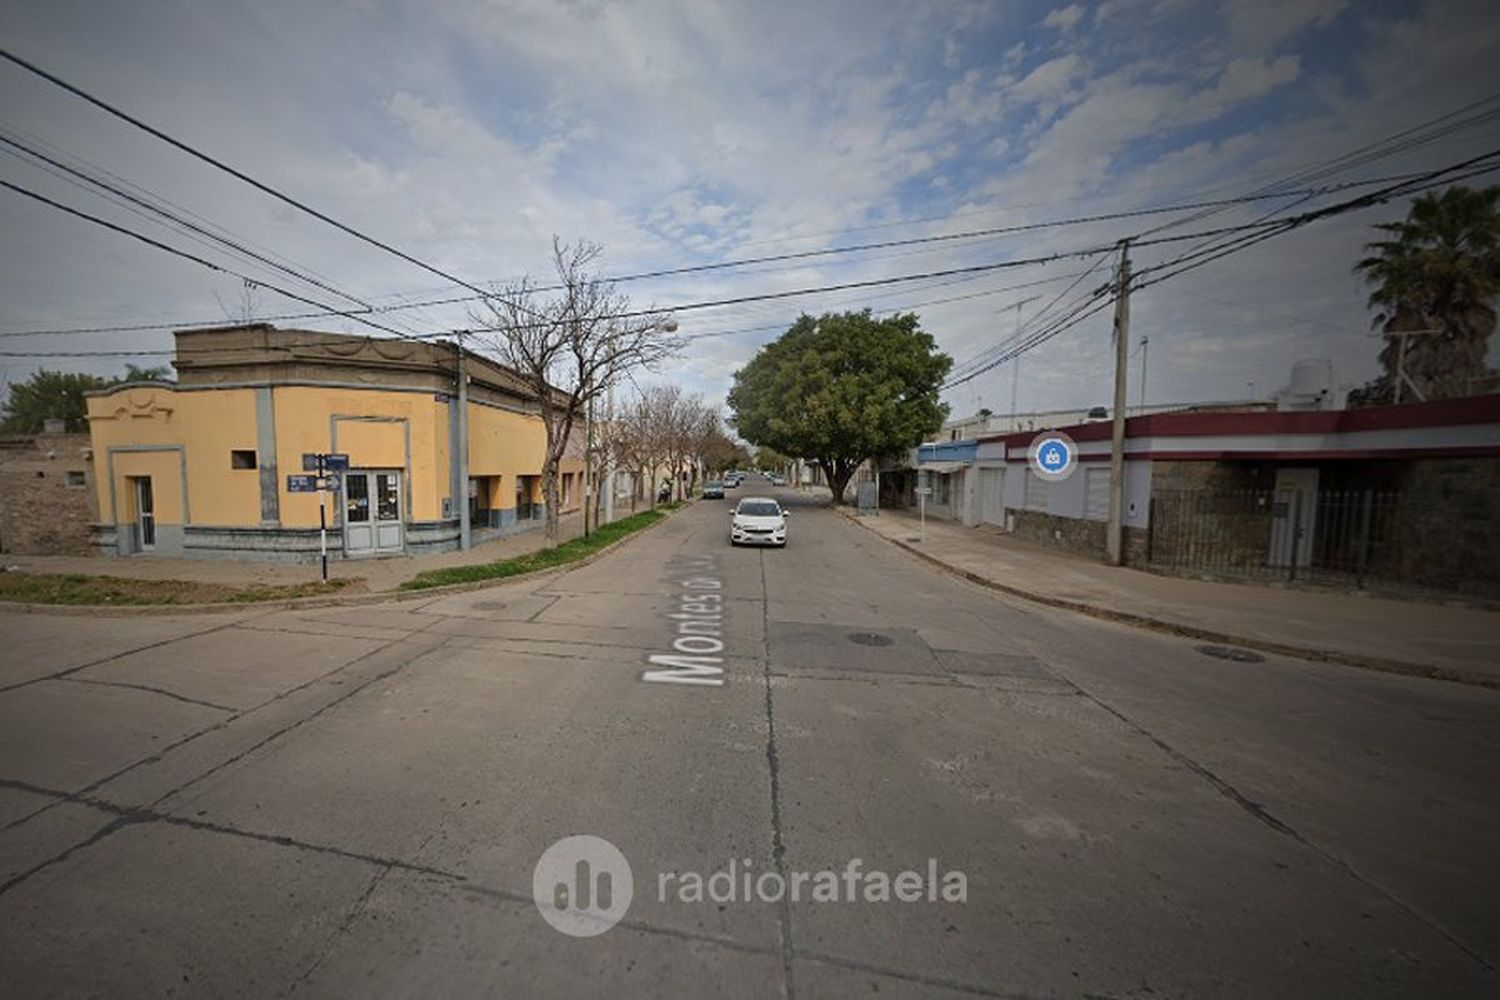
<point>713,490</point>
<point>758,521</point>
<point>778,480</point>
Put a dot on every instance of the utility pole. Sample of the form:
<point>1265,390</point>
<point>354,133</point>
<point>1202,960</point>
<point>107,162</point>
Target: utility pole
<point>609,468</point>
<point>1114,536</point>
<point>1015,362</point>
<point>588,466</point>
<point>465,529</point>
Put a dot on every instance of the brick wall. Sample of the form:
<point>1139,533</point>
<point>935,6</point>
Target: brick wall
<point>41,513</point>
<point>1448,533</point>
<point>1168,475</point>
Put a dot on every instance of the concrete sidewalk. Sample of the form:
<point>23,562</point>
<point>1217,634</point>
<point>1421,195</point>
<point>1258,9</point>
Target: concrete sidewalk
<point>1434,640</point>
<point>375,575</point>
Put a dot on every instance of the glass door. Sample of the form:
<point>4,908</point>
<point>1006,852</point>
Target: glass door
<point>359,533</point>
<point>388,521</point>
<point>145,513</point>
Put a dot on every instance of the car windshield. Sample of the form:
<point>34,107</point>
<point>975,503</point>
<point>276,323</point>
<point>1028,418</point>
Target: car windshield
<point>713,484</point>
<point>763,508</point>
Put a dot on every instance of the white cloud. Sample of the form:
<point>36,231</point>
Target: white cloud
<point>1267,24</point>
<point>1064,18</point>
<point>1242,80</point>
<point>681,131</point>
<point>1050,81</point>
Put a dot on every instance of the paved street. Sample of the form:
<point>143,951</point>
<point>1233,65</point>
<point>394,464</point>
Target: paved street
<point>352,801</point>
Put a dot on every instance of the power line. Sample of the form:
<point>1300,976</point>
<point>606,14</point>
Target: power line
<point>233,172</point>
<point>1251,229</point>
<point>192,257</point>
<point>908,307</point>
<point>722,265</point>
<point>1252,234</point>
<point>164,213</point>
<point>1037,318</point>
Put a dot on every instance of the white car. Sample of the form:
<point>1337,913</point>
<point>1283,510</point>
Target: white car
<point>758,521</point>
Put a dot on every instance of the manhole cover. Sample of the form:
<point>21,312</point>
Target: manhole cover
<point>488,606</point>
<point>871,639</point>
<point>1232,653</point>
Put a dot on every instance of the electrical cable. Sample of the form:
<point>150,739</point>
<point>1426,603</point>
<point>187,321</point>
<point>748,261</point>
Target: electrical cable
<point>192,257</point>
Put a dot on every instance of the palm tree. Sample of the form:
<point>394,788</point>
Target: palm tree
<point>1436,276</point>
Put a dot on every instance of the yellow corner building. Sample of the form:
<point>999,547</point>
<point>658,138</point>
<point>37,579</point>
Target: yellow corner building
<point>200,468</point>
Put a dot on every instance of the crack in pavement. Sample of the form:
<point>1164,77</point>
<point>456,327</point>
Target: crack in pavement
<point>374,679</point>
<point>910,977</point>
<point>59,675</point>
<point>132,815</point>
<point>161,753</point>
<point>126,816</point>
<point>148,687</point>
<point>778,842</point>
<point>1262,815</point>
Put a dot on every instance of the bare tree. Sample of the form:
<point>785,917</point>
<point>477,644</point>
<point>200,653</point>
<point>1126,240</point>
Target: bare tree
<point>569,341</point>
<point>641,444</point>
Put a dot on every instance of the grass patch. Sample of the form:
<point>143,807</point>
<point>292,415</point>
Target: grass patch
<point>569,551</point>
<point>81,588</point>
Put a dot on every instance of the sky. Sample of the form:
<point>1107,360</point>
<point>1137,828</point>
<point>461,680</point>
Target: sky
<point>680,134</point>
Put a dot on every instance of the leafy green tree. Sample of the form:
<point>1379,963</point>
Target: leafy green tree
<point>1438,273</point>
<point>842,388</point>
<point>60,395</point>
<point>156,373</point>
<point>770,460</point>
<point>50,395</point>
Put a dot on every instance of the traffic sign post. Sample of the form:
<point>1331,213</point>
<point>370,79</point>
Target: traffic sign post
<point>325,467</point>
<point>922,494</point>
<point>324,462</point>
<point>323,515</point>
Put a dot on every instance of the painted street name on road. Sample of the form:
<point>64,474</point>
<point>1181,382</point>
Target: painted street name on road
<point>699,621</point>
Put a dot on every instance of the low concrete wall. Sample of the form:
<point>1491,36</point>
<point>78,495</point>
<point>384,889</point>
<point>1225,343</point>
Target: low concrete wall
<point>288,545</point>
<point>1076,534</point>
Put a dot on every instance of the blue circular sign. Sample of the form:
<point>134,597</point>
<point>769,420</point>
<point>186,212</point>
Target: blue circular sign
<point>1053,455</point>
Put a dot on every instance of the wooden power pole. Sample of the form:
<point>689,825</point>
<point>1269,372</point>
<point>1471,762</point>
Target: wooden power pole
<point>1114,546</point>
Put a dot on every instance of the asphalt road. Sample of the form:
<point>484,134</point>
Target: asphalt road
<point>353,801</point>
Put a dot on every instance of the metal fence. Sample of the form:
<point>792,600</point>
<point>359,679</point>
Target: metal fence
<point>1346,536</point>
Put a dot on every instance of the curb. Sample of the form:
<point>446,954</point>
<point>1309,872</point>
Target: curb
<point>332,601</point>
<point>1341,658</point>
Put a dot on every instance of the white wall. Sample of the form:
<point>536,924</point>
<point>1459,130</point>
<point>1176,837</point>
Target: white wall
<point>1069,497</point>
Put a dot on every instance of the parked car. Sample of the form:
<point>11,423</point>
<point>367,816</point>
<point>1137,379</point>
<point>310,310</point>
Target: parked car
<point>758,521</point>
<point>713,490</point>
<point>778,480</point>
